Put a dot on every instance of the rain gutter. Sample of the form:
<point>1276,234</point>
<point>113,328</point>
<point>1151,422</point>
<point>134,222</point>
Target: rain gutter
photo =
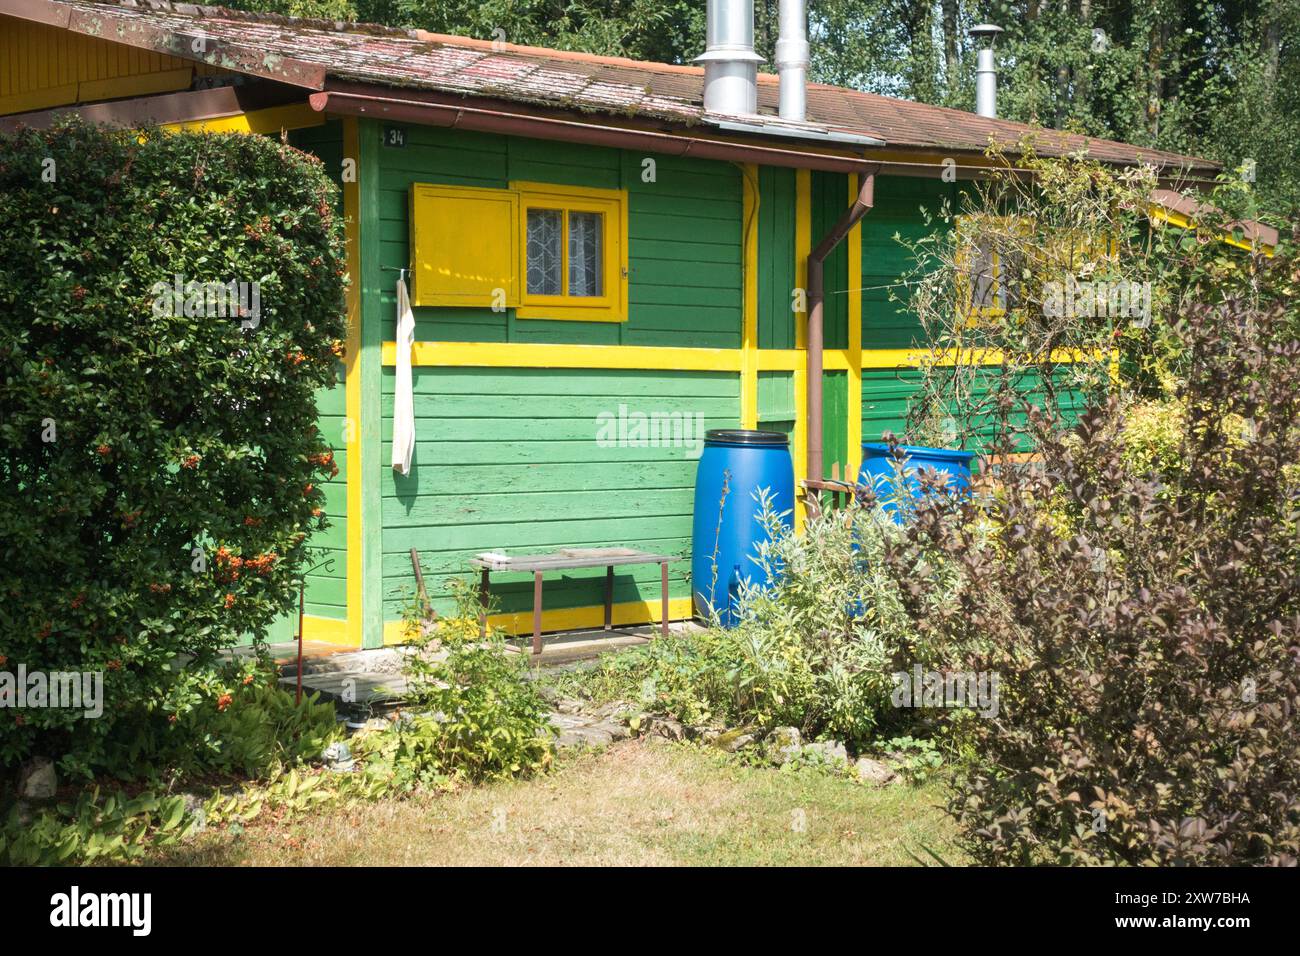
<point>459,115</point>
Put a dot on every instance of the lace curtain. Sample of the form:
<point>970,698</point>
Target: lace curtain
<point>544,251</point>
<point>584,253</point>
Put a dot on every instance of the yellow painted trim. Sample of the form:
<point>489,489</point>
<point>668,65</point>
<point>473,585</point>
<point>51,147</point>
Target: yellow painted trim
<point>802,248</point>
<point>789,360</point>
<point>1182,222</point>
<point>327,630</point>
<point>569,618</point>
<point>797,361</point>
<point>570,313</point>
<point>270,120</point>
<point>612,203</point>
<point>651,358</point>
<point>143,84</point>
<point>916,358</point>
<point>749,336</point>
<point>352,382</point>
<point>568,192</point>
<point>854,356</point>
<point>528,355</point>
<point>38,99</point>
<point>799,445</point>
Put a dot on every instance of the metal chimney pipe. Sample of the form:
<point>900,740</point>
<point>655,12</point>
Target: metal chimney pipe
<point>986,71</point>
<point>792,60</point>
<point>730,63</point>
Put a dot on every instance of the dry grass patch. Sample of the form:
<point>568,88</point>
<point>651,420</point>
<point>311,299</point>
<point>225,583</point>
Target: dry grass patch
<point>633,804</point>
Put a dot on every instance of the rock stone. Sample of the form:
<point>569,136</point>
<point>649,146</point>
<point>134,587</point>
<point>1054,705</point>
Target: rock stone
<point>577,731</point>
<point>664,727</point>
<point>733,740</point>
<point>873,772</point>
<point>614,709</point>
<point>829,751</point>
<point>37,779</point>
<point>784,744</point>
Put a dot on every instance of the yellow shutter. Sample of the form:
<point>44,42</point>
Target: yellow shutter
<point>464,246</point>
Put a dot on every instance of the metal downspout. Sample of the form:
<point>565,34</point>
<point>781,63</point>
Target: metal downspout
<point>816,298</point>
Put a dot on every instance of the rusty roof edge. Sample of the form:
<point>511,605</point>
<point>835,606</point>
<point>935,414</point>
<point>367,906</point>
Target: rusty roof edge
<point>135,30</point>
<point>643,121</point>
<point>141,34</point>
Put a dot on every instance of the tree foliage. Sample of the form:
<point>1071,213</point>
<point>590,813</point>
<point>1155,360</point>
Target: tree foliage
<point>1214,80</point>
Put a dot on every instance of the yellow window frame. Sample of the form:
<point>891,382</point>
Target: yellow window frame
<point>611,204</point>
<point>967,237</point>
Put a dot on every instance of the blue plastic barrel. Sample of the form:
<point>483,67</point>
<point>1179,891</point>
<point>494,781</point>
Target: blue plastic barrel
<point>728,530</point>
<point>879,471</point>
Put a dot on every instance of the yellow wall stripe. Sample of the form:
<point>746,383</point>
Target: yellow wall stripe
<point>570,618</point>
<point>525,355</point>
<point>327,630</point>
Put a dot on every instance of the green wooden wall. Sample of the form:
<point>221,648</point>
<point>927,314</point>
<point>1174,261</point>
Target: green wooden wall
<point>326,589</point>
<point>684,236</point>
<point>776,275</point>
<point>510,459</point>
<point>896,219</point>
<point>906,210</point>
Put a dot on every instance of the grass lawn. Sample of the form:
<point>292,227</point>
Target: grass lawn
<point>632,804</point>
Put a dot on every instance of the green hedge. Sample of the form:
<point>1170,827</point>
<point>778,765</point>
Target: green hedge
<point>159,457</point>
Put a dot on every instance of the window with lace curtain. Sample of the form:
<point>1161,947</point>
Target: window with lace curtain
<point>574,242</point>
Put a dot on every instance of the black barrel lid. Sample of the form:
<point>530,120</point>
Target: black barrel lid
<point>745,436</point>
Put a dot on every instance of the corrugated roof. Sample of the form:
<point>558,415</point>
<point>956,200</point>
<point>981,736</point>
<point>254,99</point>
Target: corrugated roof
<point>311,53</point>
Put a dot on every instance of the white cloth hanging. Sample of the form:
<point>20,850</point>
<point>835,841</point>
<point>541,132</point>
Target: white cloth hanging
<point>403,397</point>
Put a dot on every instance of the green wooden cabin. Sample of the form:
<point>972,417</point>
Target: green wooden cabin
<point>588,249</point>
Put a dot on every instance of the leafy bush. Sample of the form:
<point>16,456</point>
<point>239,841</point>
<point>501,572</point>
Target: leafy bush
<point>814,649</point>
<point>472,712</point>
<point>1143,613</point>
<point>916,758</point>
<point>160,468</point>
<point>116,829</point>
<point>255,729</point>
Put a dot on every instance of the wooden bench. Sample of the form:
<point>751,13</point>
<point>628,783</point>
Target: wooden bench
<point>568,559</point>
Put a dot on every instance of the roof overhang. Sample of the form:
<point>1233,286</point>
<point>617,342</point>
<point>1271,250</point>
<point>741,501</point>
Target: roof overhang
<point>1184,211</point>
<point>146,34</point>
<point>195,106</point>
<point>496,116</point>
